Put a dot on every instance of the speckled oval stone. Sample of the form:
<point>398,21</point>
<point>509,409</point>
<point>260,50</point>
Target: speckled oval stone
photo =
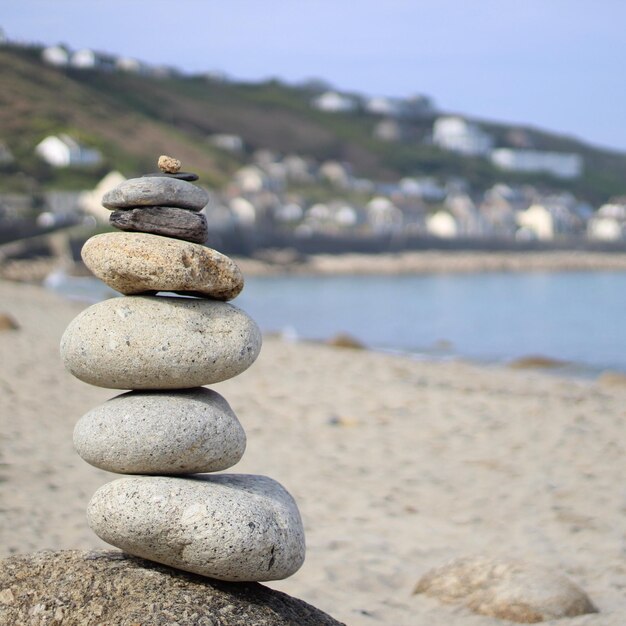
<point>228,526</point>
<point>156,191</point>
<point>133,263</point>
<point>159,342</point>
<point>159,432</point>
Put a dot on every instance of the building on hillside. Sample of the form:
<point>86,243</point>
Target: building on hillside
<point>58,56</point>
<point>87,59</point>
<point>250,179</point>
<point>536,222</point>
<point>417,106</point>
<point>459,135</point>
<point>243,211</point>
<point>224,141</point>
<point>333,102</point>
<point>442,225</point>
<point>608,223</point>
<point>383,215</point>
<point>6,156</point>
<point>388,130</point>
<point>559,164</point>
<point>298,169</point>
<point>90,202</point>
<point>337,174</point>
<point>383,106</point>
<point>469,221</point>
<point>426,188</point>
<point>130,65</point>
<point>64,151</point>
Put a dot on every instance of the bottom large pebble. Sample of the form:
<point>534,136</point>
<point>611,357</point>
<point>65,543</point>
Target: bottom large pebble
<point>236,527</point>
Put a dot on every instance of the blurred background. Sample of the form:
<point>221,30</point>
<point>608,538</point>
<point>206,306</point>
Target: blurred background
<point>435,143</point>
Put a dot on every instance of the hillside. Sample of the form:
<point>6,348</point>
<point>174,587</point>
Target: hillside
<point>132,118</point>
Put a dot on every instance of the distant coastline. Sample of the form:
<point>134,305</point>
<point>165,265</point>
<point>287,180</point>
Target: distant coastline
<point>431,262</point>
<point>287,262</point>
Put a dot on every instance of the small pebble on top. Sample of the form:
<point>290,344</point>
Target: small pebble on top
<point>169,164</point>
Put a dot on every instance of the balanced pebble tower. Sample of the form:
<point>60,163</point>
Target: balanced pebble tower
<point>170,432</point>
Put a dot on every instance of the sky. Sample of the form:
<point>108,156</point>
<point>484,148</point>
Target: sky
<point>552,64</point>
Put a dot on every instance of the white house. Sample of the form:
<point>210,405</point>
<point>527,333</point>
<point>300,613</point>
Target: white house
<point>417,106</point>
<point>224,141</point>
<point>243,211</point>
<point>83,59</point>
<point>383,215</point>
<point>608,223</point>
<point>382,106</point>
<point>459,135</point>
<point>64,151</point>
<point>388,130</point>
<point>130,65</point>
<point>55,55</point>
<point>6,156</point>
<point>605,229</point>
<point>441,224</point>
<point>91,201</point>
<point>333,102</point>
<point>559,164</point>
<point>536,222</point>
<point>250,179</point>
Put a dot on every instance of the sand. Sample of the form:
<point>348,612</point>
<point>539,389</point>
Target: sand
<point>397,466</point>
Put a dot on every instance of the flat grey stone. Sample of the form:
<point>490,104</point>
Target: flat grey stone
<point>190,176</point>
<point>158,342</point>
<point>226,526</point>
<point>156,191</point>
<point>159,432</point>
<point>109,588</point>
<point>133,263</point>
<point>161,220</point>
<point>507,589</point>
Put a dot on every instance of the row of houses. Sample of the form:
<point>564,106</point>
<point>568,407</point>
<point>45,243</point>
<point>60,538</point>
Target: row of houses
<point>88,59</point>
<point>414,106</point>
<point>452,133</point>
<point>459,135</point>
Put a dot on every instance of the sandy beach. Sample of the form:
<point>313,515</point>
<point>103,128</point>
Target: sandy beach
<point>397,466</point>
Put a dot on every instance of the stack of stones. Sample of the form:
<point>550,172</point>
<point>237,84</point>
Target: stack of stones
<point>170,431</point>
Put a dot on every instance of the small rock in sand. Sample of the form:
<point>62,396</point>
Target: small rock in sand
<point>537,361</point>
<point>610,378</point>
<point>506,589</point>
<point>7,322</point>
<point>344,340</point>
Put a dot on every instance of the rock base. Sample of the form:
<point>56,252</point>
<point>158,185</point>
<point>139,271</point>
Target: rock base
<point>75,588</point>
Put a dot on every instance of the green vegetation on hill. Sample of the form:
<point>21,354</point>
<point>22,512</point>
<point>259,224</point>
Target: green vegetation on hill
<point>133,118</point>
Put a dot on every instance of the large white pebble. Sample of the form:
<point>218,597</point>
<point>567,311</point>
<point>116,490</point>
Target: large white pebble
<point>159,432</point>
<point>228,526</point>
<point>159,342</point>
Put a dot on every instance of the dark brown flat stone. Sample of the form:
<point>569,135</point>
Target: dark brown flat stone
<point>165,221</point>
<point>189,176</point>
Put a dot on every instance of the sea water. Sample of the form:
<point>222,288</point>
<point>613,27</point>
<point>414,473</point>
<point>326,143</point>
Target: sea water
<point>578,317</point>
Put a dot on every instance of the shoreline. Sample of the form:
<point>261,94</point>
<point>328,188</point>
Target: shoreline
<point>288,262</point>
<point>284,262</point>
